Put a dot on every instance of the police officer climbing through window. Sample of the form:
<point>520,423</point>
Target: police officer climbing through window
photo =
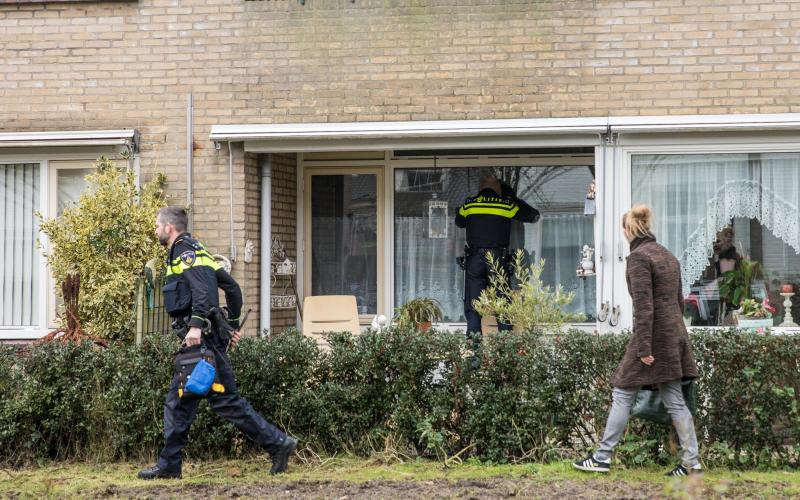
<point>487,218</point>
<point>192,300</point>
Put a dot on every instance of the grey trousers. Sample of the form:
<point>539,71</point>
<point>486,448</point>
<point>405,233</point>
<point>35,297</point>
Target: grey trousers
<point>681,418</point>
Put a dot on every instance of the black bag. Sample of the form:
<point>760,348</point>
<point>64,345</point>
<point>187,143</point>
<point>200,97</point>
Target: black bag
<point>650,406</point>
<point>185,362</point>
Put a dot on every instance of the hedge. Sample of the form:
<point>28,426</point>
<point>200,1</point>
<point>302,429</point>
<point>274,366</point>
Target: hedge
<point>532,398</point>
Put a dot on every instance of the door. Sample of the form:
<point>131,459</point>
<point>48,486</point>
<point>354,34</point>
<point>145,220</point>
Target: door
<point>344,236</point>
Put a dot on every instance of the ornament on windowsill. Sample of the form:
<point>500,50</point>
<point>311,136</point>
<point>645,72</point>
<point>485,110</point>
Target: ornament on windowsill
<point>437,218</point>
<point>589,207</point>
<point>587,262</point>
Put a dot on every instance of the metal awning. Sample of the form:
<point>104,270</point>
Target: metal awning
<point>129,137</point>
<point>534,132</point>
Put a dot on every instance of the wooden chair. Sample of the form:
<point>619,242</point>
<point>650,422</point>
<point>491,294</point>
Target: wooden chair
<point>324,314</point>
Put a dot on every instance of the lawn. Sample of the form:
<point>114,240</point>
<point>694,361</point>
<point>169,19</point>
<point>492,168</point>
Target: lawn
<point>353,477</point>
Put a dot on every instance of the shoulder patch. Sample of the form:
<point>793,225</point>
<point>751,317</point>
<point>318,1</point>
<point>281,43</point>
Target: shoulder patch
<point>188,257</point>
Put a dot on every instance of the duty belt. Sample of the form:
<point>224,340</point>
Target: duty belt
<point>498,251</point>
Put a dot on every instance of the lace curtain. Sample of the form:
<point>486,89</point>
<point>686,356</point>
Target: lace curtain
<point>695,196</point>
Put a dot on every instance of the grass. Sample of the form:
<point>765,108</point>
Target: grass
<point>66,479</point>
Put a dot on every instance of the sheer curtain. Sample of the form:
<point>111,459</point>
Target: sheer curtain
<point>695,196</point>
<point>562,238</point>
<point>19,269</point>
<point>426,267</point>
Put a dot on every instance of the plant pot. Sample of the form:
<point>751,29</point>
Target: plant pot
<point>743,322</point>
<point>424,326</point>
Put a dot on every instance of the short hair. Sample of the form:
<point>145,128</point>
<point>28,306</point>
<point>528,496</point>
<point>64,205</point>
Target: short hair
<point>176,216</point>
<point>490,182</point>
<point>638,220</point>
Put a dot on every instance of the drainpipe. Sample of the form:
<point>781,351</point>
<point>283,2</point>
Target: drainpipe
<point>266,243</point>
<point>189,147</point>
<point>230,185</point>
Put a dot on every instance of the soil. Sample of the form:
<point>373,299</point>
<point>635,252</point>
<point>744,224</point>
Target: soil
<point>469,489</point>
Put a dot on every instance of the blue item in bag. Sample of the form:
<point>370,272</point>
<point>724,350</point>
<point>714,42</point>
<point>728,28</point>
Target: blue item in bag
<point>201,378</point>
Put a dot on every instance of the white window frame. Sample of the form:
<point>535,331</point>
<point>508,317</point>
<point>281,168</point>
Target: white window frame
<point>43,157</point>
<point>650,144</point>
<point>389,164</point>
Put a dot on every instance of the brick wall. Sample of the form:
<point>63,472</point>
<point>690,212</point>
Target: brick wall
<point>284,222</point>
<point>131,65</point>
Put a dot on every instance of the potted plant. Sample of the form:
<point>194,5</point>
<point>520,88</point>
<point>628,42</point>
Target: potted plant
<point>754,314</point>
<point>735,285</point>
<point>420,313</point>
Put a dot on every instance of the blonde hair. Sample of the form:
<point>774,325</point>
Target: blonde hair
<point>637,220</point>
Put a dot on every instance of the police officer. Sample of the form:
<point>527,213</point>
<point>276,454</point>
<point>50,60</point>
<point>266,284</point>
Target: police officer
<point>192,299</point>
<point>487,218</point>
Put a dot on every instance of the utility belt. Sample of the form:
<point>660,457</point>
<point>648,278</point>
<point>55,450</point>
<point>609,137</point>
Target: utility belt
<point>216,327</point>
<point>501,252</point>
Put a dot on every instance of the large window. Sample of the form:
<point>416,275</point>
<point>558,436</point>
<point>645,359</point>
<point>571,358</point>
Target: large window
<point>19,264</point>
<point>427,241</point>
<point>722,214</point>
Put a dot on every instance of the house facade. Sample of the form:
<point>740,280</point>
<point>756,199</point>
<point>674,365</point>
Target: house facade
<point>343,136</point>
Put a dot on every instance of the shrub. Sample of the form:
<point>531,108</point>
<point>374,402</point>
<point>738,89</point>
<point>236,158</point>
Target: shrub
<point>106,238</point>
<point>534,397</point>
<point>524,301</point>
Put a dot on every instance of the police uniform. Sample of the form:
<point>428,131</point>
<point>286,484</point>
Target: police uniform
<point>487,218</point>
<point>190,293</point>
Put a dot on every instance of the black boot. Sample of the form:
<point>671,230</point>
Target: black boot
<point>280,459</point>
<point>155,472</point>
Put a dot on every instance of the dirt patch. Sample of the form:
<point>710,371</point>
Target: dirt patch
<point>470,489</point>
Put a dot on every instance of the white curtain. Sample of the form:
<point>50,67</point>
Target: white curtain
<point>562,238</point>
<point>426,267</point>
<point>695,196</point>
<point>19,270</point>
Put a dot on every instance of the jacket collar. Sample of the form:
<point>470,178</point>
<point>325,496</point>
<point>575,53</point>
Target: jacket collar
<point>641,240</point>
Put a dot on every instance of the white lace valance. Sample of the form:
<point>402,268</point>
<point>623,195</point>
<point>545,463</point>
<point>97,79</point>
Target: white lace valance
<point>739,198</point>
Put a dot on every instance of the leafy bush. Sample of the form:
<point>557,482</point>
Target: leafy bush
<point>106,238</point>
<point>534,397</point>
<point>524,301</point>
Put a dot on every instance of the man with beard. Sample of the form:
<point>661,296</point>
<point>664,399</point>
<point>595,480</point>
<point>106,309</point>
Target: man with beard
<point>191,298</point>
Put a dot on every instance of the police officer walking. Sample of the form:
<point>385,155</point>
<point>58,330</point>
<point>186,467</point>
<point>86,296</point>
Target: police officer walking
<point>487,218</point>
<point>192,300</point>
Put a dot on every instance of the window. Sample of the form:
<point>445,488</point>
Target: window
<point>719,214</point>
<point>425,262</point>
<point>19,259</point>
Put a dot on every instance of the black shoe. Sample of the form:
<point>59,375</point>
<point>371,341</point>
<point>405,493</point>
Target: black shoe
<point>280,459</point>
<point>589,464</point>
<point>681,471</point>
<point>155,472</point>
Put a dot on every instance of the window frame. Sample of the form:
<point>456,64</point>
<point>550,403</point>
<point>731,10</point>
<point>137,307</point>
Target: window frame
<point>684,144</point>
<point>61,158</point>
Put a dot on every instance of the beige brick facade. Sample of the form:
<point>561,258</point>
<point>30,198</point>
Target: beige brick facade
<point>79,66</point>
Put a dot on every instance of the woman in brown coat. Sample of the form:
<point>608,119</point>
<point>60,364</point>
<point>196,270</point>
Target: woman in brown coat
<point>659,352</point>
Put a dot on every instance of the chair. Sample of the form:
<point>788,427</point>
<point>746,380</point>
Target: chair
<point>323,314</point>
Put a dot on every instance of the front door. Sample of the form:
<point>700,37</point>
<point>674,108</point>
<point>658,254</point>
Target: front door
<point>344,235</point>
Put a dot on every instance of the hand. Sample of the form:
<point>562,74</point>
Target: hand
<point>193,337</point>
<point>235,336</point>
<point>648,360</point>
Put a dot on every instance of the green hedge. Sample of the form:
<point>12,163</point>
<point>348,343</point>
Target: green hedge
<point>532,398</point>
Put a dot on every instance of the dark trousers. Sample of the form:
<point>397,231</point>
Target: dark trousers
<point>475,281</point>
<point>179,413</point>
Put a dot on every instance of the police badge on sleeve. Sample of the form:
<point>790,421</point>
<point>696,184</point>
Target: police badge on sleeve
<point>188,257</point>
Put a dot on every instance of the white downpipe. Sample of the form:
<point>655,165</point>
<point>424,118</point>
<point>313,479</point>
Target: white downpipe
<point>266,244</point>
<point>230,186</point>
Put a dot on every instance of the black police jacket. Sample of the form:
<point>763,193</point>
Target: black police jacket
<point>193,277</point>
<point>488,217</point>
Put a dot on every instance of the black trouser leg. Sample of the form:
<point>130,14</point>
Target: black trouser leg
<point>179,413</point>
<point>236,410</point>
<point>474,283</point>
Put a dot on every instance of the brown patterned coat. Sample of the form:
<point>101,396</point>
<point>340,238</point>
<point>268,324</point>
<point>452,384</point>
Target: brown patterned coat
<point>654,282</point>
